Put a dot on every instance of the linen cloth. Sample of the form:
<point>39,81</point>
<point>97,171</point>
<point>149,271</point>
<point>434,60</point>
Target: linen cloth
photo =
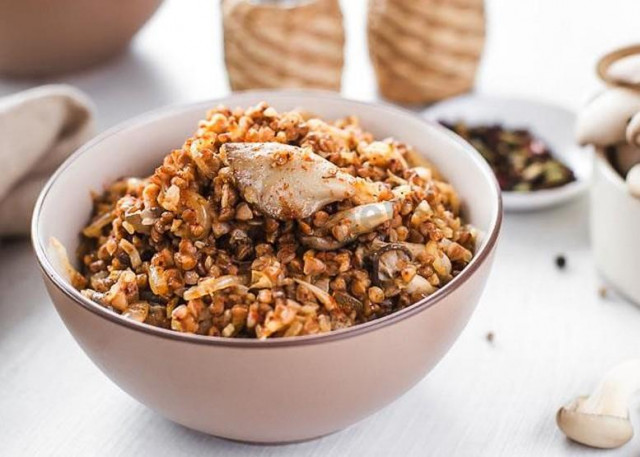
<point>39,129</point>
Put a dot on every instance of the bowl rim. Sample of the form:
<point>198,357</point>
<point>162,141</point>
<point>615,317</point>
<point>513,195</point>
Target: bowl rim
<point>70,292</point>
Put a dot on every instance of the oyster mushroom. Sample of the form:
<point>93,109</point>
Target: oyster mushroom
<point>288,182</point>
<point>633,181</point>
<point>604,121</point>
<point>388,261</point>
<point>348,302</point>
<point>632,133</point>
<point>416,249</point>
<point>356,221</point>
<point>624,70</point>
<point>602,419</point>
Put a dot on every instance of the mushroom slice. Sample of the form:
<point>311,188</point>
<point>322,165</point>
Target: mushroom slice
<point>140,220</point>
<point>321,243</point>
<point>416,249</point>
<point>388,261</point>
<point>58,254</point>
<point>420,286</point>
<point>356,221</point>
<point>348,302</point>
<point>287,182</point>
<point>602,419</point>
<point>632,132</point>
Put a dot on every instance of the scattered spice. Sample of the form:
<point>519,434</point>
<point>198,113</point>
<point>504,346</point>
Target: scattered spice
<point>561,261</point>
<point>602,291</point>
<point>520,161</point>
<point>490,337</point>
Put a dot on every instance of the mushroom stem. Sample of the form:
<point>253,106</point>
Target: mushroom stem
<point>612,395</point>
<point>602,419</point>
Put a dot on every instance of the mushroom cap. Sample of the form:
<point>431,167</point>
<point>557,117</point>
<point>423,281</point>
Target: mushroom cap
<point>625,70</point>
<point>595,430</point>
<point>633,130</point>
<point>626,156</point>
<point>603,122</point>
<point>633,181</point>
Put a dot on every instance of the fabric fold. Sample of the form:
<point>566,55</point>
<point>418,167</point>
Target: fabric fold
<point>39,129</point>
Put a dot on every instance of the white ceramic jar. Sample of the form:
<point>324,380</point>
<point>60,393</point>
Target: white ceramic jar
<point>615,229</point>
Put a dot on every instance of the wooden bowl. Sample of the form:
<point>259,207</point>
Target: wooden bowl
<point>42,38</point>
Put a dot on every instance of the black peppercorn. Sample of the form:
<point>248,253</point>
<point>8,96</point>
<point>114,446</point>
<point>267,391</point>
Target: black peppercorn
<point>561,261</point>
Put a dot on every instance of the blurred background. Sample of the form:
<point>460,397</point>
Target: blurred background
<point>541,49</point>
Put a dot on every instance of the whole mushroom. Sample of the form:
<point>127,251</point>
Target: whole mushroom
<point>601,419</point>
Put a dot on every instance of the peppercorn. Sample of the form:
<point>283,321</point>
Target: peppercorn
<point>561,261</point>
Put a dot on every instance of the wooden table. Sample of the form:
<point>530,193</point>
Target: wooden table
<point>553,333</point>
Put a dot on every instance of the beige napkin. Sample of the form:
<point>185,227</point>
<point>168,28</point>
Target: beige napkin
<point>39,128</point>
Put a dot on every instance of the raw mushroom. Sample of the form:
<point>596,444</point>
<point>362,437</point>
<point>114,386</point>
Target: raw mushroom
<point>625,157</point>
<point>388,261</point>
<point>632,132</point>
<point>287,182</point>
<point>633,181</point>
<point>603,122</point>
<point>602,419</point>
<point>625,70</point>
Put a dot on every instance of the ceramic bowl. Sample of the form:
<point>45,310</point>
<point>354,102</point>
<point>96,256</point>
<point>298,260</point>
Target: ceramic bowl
<point>615,229</point>
<point>553,124</point>
<point>42,38</point>
<point>278,390</point>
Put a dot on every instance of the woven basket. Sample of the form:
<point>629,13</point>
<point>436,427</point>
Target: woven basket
<point>283,44</point>
<point>425,50</point>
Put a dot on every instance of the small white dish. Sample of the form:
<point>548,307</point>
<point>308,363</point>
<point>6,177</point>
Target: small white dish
<point>553,124</point>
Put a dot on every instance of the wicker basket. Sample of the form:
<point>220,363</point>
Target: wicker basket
<point>283,44</point>
<point>425,50</point>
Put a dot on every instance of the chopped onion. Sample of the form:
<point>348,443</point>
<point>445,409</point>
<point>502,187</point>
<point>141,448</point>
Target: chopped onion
<point>210,286</point>
<point>138,311</point>
<point>157,281</point>
<point>94,230</point>
<point>60,253</point>
<point>128,247</point>
<point>323,297</point>
<point>260,280</point>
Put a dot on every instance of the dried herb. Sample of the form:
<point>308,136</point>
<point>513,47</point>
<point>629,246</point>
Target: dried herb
<point>603,292</point>
<point>520,161</point>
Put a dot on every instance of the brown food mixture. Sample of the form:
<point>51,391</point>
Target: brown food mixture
<point>267,240</point>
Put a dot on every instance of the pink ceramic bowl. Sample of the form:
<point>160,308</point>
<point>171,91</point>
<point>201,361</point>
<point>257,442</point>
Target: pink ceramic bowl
<point>285,389</point>
<point>40,38</point>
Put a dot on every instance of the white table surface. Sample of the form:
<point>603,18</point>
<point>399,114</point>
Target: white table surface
<point>554,335</point>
